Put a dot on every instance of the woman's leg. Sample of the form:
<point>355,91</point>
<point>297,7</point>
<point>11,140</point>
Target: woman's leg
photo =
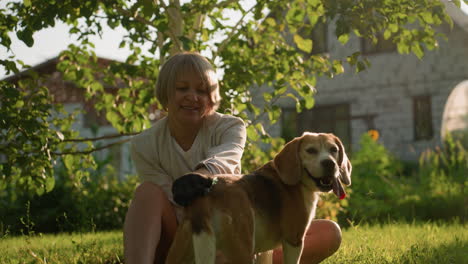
<point>323,238</point>
<point>149,227</point>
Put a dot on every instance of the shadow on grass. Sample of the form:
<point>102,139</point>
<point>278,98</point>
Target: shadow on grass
<point>451,253</point>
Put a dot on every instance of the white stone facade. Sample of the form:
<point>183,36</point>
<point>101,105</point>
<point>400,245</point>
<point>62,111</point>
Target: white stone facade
<point>386,90</point>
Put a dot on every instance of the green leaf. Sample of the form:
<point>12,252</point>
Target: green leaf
<point>96,87</point>
<point>309,101</point>
<point>112,117</point>
<point>360,66</point>
<point>417,50</point>
<point>27,3</point>
<point>303,44</point>
<point>69,162</point>
<point>39,191</point>
<point>187,43</point>
<point>267,96</point>
<point>49,184</point>
<point>427,17</point>
<point>252,133</point>
<point>338,67</point>
<point>25,35</point>
<point>353,59</point>
<point>274,114</point>
<point>402,48</point>
<point>270,21</point>
<point>387,34</point>
<point>19,104</point>
<point>343,38</point>
<point>393,27</point>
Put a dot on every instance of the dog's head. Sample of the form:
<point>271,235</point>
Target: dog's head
<point>316,160</point>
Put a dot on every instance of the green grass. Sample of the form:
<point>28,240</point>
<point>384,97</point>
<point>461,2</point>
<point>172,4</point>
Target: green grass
<point>392,243</point>
<point>102,247</point>
<point>404,243</point>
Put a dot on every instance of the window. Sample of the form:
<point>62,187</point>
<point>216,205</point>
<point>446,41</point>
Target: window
<point>422,117</point>
<point>92,118</point>
<point>326,119</point>
<point>289,124</point>
<point>115,154</point>
<point>318,34</point>
<point>382,45</point>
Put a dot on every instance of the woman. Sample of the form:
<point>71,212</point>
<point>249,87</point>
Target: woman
<point>192,137</point>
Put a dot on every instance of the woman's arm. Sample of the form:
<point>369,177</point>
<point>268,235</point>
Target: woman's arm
<point>225,156</point>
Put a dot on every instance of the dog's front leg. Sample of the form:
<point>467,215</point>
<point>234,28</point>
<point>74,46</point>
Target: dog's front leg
<point>292,254</point>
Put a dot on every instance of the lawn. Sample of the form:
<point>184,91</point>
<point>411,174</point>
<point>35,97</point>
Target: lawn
<point>427,243</point>
<point>404,243</point>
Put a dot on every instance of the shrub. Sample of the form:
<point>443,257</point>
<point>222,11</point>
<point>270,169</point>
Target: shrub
<point>385,188</point>
<point>441,183</point>
<point>374,181</point>
<point>96,203</point>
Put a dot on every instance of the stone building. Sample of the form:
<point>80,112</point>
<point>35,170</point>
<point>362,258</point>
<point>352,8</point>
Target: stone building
<point>400,96</point>
<point>89,122</point>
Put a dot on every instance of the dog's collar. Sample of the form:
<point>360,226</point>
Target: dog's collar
<point>213,183</point>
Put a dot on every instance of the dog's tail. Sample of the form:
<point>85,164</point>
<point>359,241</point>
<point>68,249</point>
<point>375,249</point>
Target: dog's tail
<point>190,187</point>
<point>204,246</point>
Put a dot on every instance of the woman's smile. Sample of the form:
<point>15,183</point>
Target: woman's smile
<point>190,102</point>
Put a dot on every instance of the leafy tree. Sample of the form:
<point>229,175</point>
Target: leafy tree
<point>261,47</point>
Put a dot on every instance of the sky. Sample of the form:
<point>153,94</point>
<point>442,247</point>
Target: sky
<point>48,43</point>
<point>464,7</point>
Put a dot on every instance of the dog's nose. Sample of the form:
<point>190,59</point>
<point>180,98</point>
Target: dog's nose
<point>328,164</point>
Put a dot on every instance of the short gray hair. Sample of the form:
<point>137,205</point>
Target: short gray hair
<point>179,64</point>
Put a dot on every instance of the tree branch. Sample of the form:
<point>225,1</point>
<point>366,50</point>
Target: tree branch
<point>84,152</point>
<point>134,16</point>
<point>219,5</point>
<point>98,138</point>
<point>197,25</point>
<point>232,33</point>
<point>175,22</point>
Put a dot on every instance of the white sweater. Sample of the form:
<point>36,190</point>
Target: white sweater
<point>218,146</point>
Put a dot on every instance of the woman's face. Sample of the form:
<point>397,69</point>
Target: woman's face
<point>190,102</point>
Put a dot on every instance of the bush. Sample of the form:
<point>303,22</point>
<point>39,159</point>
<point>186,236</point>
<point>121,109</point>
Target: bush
<point>441,183</point>
<point>99,202</point>
<point>385,188</point>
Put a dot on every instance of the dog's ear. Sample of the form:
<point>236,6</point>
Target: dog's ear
<point>344,163</point>
<point>288,164</point>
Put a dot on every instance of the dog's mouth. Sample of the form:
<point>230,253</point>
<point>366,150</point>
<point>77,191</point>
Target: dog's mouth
<point>329,183</point>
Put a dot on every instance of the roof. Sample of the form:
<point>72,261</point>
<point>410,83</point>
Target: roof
<point>47,67</point>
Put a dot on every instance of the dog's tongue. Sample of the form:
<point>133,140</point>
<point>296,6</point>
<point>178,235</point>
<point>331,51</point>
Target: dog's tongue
<point>338,189</point>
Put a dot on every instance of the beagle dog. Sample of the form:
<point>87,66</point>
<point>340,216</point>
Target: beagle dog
<point>257,212</point>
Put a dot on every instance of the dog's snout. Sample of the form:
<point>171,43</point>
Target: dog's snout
<point>328,164</point>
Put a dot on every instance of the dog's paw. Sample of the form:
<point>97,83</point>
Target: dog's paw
<point>189,187</point>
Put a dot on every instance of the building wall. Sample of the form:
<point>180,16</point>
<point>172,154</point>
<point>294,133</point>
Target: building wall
<point>120,153</point>
<point>387,87</point>
<point>73,99</point>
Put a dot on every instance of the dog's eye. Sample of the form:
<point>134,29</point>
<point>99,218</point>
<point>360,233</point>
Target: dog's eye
<point>333,149</point>
<point>312,150</point>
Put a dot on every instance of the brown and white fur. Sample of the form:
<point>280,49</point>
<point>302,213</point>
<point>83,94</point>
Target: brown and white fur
<point>273,206</point>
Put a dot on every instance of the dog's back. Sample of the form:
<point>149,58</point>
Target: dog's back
<point>238,216</point>
<point>221,220</point>
<point>273,206</point>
